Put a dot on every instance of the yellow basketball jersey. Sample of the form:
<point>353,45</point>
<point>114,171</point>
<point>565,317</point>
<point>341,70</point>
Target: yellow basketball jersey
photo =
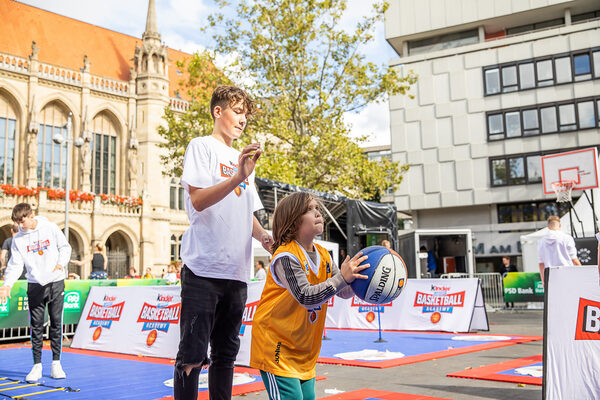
<point>286,337</point>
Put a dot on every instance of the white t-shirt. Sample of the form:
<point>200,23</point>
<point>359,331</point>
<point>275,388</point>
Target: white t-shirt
<point>218,243</point>
<point>260,275</point>
<point>556,249</point>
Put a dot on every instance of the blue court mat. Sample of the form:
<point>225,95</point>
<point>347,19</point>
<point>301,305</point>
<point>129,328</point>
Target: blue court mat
<point>97,377</point>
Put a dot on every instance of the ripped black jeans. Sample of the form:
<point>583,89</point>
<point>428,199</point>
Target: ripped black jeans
<point>211,312</point>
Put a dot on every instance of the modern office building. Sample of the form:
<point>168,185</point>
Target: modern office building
<point>501,83</point>
<point>115,87</point>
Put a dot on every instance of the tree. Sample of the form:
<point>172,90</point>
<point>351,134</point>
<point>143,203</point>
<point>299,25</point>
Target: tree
<point>305,72</point>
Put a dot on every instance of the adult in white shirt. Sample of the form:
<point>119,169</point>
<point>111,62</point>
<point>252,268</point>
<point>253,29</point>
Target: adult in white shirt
<point>260,274</point>
<point>556,249</point>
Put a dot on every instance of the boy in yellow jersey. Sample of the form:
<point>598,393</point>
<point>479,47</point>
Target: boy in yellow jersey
<point>287,327</point>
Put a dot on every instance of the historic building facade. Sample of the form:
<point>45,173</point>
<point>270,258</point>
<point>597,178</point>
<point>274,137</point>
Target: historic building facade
<point>114,88</point>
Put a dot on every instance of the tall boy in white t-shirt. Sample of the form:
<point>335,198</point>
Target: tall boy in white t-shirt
<point>220,199</point>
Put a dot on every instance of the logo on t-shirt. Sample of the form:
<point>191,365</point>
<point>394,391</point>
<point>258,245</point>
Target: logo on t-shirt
<point>588,320</point>
<point>227,171</point>
<point>36,247</point>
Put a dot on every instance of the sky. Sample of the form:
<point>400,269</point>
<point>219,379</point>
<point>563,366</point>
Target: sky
<point>179,23</point>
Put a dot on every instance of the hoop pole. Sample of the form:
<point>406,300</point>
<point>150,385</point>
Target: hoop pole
<point>578,220</point>
<point>380,340</point>
<point>573,233</point>
<point>591,203</point>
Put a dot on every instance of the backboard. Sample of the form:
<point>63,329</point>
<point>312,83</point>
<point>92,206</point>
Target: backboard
<point>580,166</point>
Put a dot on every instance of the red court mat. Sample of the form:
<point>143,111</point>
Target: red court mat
<point>370,394</point>
<point>504,371</point>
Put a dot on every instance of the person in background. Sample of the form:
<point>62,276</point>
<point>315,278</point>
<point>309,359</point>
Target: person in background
<point>386,244</point>
<point>132,274</point>
<point>505,268</point>
<point>178,268</point>
<point>148,274</point>
<point>260,274</point>
<point>171,275</point>
<point>98,260</point>
<point>73,276</point>
<point>431,264</point>
<point>556,249</point>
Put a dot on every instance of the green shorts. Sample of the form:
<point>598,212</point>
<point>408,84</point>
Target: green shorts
<point>282,388</point>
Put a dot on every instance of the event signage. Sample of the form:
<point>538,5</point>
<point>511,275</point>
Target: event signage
<point>523,287</point>
<point>572,334</point>
<point>452,305</point>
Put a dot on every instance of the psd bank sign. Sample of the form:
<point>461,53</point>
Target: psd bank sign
<point>72,301</point>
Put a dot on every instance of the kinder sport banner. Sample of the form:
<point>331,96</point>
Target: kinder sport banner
<point>451,305</point>
<point>572,334</point>
<point>145,320</point>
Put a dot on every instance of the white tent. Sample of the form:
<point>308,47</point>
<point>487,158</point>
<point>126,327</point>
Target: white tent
<point>584,211</point>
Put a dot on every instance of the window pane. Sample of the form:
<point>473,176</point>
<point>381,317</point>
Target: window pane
<point>547,209</point>
<point>105,188</point>
<point>181,202</point>
<point>529,212</point>
<point>534,169</point>
<point>526,76</point>
<point>2,141</point>
<point>172,199</point>
<point>544,73</point>
<point>509,79</point>
<point>504,214</point>
<point>492,81</point>
<point>583,69</point>
<point>10,150</point>
<point>113,159</point>
<point>531,124</point>
<point>596,56</point>
<point>495,124</point>
<point>566,114</point>
<point>563,69</point>
<point>513,124</point>
<point>548,119</point>
<point>499,172</point>
<point>587,119</point>
<point>516,170</point>
<point>97,163</point>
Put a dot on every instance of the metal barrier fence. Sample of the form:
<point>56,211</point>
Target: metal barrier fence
<point>491,287</point>
<point>23,332</point>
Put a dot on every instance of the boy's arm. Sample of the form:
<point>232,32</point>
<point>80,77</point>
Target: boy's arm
<point>259,233</point>
<point>64,249</point>
<point>289,273</point>
<point>346,292</point>
<point>13,272</point>
<point>203,198</point>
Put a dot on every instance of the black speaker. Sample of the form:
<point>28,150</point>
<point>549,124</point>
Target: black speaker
<point>587,250</point>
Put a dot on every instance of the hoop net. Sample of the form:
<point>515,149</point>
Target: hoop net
<point>563,190</point>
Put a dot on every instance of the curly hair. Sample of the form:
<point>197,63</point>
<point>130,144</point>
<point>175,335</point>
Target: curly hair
<point>227,96</point>
<point>288,216</point>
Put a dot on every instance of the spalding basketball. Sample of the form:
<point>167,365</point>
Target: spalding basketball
<point>386,276</point>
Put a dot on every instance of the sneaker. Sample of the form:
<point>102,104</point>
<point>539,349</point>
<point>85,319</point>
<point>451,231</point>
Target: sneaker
<point>35,374</point>
<point>57,371</point>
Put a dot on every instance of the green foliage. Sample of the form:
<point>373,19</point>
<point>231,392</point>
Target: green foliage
<point>306,72</point>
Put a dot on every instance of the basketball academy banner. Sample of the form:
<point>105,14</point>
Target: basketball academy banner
<point>572,334</point>
<point>145,321</point>
<point>451,305</point>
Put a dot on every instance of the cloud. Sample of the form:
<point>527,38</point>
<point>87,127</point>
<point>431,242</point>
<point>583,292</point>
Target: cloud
<point>373,121</point>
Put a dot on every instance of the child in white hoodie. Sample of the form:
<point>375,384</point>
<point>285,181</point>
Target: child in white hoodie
<point>42,248</point>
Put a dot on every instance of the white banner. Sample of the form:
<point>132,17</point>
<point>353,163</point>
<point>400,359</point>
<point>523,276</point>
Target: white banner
<point>424,305</point>
<point>572,345</point>
<point>144,320</point>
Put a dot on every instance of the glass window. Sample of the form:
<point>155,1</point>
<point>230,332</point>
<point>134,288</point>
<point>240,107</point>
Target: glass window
<point>516,169</point>
<point>526,75</point>
<point>495,126</point>
<point>509,79</point>
<point>492,81</point>
<point>513,124</point>
<point>596,56</point>
<point>442,42</point>
<point>104,154</point>
<point>587,119</point>
<point>545,75</point>
<point>531,125</point>
<point>181,198</point>
<point>530,212</point>
<point>172,197</point>
<point>563,69</point>
<point>583,69</point>
<point>505,214</point>
<point>547,209</point>
<point>566,114</point>
<point>7,149</point>
<point>548,116</point>
<point>534,169</point>
<point>498,172</point>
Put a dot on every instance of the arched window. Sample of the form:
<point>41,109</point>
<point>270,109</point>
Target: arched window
<point>175,247</point>
<point>8,126</point>
<point>104,152</point>
<point>52,157</point>
<point>176,199</point>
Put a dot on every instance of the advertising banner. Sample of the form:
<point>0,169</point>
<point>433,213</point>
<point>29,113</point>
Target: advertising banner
<point>523,287</point>
<point>451,305</point>
<point>15,312</point>
<point>572,334</point>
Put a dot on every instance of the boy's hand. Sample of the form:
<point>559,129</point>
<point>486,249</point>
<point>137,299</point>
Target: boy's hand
<point>351,267</point>
<point>247,160</point>
<point>267,241</point>
<point>57,268</point>
<point>4,293</point>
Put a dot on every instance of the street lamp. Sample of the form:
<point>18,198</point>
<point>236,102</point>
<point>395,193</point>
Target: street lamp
<point>59,139</point>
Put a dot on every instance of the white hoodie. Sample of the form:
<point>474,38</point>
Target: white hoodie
<point>40,250</point>
<point>556,249</point>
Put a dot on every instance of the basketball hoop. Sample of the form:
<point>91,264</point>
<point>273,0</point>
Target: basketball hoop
<point>563,190</point>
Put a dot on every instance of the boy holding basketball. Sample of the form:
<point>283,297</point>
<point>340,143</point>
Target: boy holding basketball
<point>287,327</point>
<point>220,199</point>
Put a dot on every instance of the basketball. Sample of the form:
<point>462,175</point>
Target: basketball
<point>386,276</point>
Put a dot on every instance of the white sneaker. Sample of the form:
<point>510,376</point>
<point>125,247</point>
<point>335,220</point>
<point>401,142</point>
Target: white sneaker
<point>35,374</point>
<point>57,371</point>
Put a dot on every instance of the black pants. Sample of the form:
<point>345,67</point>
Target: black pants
<point>38,297</point>
<point>211,311</point>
